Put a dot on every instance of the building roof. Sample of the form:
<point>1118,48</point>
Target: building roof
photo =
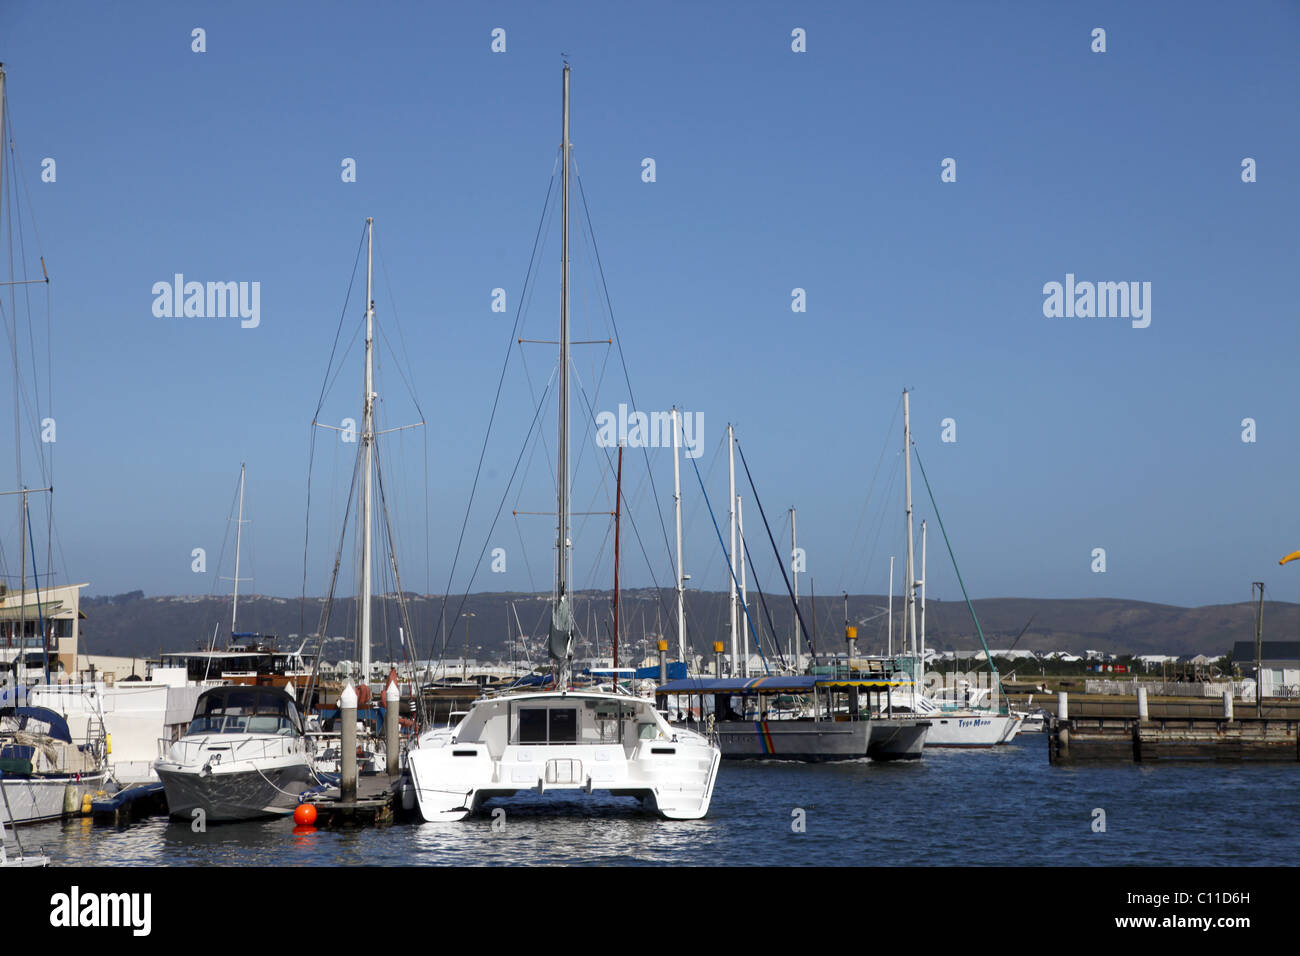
<point>1243,652</point>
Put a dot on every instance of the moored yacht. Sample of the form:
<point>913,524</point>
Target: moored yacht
<point>563,740</point>
<point>244,756</point>
<point>802,717</point>
<point>43,770</point>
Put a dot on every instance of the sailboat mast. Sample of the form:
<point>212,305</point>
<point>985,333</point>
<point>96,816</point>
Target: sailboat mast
<point>560,644</point>
<point>618,514</point>
<point>18,443</point>
<point>794,567</point>
<point>677,507</point>
<point>909,619</point>
<point>922,590</point>
<point>740,524</point>
<point>890,646</point>
<point>239,538</point>
<point>367,451</point>
<point>731,497</point>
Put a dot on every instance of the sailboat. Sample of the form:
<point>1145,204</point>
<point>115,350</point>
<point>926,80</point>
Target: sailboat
<point>46,767</point>
<point>564,739</point>
<point>956,717</point>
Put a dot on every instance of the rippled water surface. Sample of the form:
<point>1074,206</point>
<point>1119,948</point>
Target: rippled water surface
<point>1000,807</point>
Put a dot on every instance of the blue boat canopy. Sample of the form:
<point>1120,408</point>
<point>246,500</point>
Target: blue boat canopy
<point>58,726</point>
<point>797,684</point>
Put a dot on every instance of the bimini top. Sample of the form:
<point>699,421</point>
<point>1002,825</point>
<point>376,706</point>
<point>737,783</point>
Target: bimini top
<point>58,726</point>
<point>797,684</point>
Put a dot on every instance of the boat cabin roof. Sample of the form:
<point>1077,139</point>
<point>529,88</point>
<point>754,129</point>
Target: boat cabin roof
<point>26,715</point>
<point>797,684</point>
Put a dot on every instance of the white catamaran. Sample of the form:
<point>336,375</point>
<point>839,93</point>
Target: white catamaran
<point>563,739</point>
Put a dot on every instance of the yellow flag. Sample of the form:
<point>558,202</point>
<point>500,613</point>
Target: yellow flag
<point>1290,557</point>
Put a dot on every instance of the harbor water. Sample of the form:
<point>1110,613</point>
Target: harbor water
<point>1004,807</point>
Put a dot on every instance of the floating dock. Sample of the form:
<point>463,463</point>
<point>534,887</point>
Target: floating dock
<point>130,803</point>
<point>1136,730</point>
<point>377,802</point>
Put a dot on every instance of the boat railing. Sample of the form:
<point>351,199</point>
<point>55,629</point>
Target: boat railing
<point>228,746</point>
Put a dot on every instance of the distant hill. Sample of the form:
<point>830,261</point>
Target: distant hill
<point>135,625</point>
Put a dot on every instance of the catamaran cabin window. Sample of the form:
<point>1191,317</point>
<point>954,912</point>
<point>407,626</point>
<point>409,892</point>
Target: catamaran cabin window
<point>532,725</point>
<point>564,725</point>
<point>540,725</point>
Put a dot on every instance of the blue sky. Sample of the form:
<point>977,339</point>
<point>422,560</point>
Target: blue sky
<point>775,170</point>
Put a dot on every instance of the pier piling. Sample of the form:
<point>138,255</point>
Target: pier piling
<point>392,697</point>
<point>348,715</point>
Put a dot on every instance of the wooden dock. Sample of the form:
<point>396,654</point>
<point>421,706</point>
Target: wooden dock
<point>377,803</point>
<point>1172,730</point>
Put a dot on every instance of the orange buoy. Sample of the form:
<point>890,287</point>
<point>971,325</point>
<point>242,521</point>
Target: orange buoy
<point>305,814</point>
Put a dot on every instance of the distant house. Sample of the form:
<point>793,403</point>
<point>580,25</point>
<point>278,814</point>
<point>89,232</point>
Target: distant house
<point>1063,656</point>
<point>1279,666</point>
<point>1149,661</point>
<point>1012,655</point>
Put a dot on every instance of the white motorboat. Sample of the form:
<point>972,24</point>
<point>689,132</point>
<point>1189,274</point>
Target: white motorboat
<point>565,740</point>
<point>244,756</point>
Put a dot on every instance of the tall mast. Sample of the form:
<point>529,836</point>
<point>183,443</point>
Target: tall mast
<point>890,646</point>
<point>740,524</point>
<point>909,619</point>
<point>731,509</point>
<point>677,507</point>
<point>922,590</point>
<point>367,451</point>
<point>18,443</point>
<point>618,513</point>
<point>239,537</point>
<point>561,638</point>
<point>794,568</point>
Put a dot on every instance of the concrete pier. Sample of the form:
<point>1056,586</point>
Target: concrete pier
<point>1141,730</point>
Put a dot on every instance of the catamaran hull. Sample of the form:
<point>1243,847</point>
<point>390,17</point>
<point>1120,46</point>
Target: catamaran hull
<point>675,779</point>
<point>814,741</point>
<point>37,799</point>
<point>806,740</point>
<point>234,793</point>
<point>895,738</point>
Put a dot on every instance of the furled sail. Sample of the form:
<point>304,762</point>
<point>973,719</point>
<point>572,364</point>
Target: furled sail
<point>561,644</point>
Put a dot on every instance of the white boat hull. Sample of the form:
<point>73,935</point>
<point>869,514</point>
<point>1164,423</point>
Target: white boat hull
<point>37,799</point>
<point>971,729</point>
<point>454,772</point>
<point>243,790</point>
